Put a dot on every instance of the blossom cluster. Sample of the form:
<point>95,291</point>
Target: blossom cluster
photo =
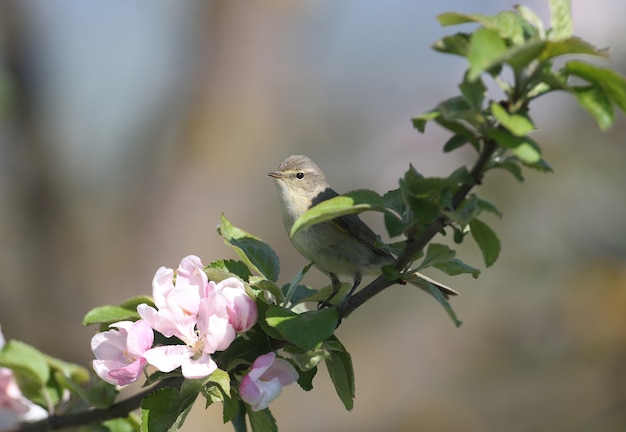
<point>202,317</point>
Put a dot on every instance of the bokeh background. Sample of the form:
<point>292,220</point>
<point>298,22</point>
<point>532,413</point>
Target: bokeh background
<point>128,127</point>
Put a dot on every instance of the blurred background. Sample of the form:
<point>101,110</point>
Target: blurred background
<point>127,128</point>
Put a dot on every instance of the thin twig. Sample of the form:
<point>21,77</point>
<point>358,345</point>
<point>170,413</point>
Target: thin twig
<point>120,409</point>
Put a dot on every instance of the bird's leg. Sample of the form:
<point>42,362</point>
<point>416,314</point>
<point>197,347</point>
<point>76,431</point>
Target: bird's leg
<point>357,282</point>
<point>336,285</point>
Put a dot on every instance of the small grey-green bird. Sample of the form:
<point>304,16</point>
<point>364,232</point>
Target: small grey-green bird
<point>342,246</point>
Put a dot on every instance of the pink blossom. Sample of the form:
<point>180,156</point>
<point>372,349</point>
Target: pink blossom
<point>176,317</point>
<point>190,273</point>
<point>190,278</point>
<point>209,333</point>
<point>162,284</point>
<point>14,407</point>
<point>120,353</point>
<point>240,308</point>
<point>202,314</point>
<point>265,381</point>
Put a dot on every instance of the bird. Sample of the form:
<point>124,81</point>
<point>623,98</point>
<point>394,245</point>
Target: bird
<point>343,246</point>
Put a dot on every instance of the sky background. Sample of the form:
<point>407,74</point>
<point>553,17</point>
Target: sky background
<point>128,128</point>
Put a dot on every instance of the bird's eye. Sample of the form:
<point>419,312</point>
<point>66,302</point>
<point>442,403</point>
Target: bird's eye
<point>300,175</point>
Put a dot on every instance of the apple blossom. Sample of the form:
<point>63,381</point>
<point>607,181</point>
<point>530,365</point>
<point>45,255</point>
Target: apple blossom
<point>210,333</point>
<point>190,273</point>
<point>241,309</point>
<point>265,381</point>
<point>14,407</point>
<point>120,353</point>
<point>202,314</point>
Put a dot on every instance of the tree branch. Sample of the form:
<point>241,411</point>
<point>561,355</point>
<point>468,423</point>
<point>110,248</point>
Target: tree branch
<point>117,410</point>
<point>416,244</point>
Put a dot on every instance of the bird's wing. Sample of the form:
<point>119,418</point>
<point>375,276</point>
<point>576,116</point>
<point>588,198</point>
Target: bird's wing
<point>359,230</point>
<point>354,226</point>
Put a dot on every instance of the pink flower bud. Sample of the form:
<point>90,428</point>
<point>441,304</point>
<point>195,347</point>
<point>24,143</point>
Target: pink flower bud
<point>265,381</point>
<point>242,310</point>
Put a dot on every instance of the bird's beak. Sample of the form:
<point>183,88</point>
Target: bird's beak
<point>276,175</point>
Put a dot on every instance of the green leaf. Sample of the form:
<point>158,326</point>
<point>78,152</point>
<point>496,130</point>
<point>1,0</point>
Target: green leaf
<point>436,254</point>
<point>518,124</point>
<point>595,101</point>
<point>305,360</point>
<point>485,205</point>
<point>455,44</point>
<point>457,108</point>
<point>524,148</point>
<point>473,91</point>
<point>394,224</point>
<point>305,379</point>
<point>507,24</point>
<point>230,409</point>
<point>531,18</point>
<point>294,285</point>
<point>512,166</point>
<point>219,378</point>
<point>459,128</point>
<point>486,239</point>
<point>456,267</point>
<point>454,143</point>
<point>301,294</point>
<point>541,166</point>
<point>571,45</point>
<point>471,207</point>
<point>434,291</point>
<point>561,22</point>
<point>125,424</point>
<point>26,362</point>
<point>72,377</point>
<point>260,283</point>
<point>261,421</point>
<point>132,303</point>
<point>192,387</point>
<point>520,56</point>
<point>254,252</point>
<point>165,410</point>
<point>244,350</point>
<point>420,121</point>
<point>305,330</point>
<point>612,83</point>
<point>351,203</point>
<point>339,365</point>
<point>419,191</point>
<point>231,267</point>
<point>450,115</point>
<point>486,47</point>
<point>456,18</point>
<point>390,273</point>
<point>73,371</point>
<point>110,314</point>
<point>239,421</point>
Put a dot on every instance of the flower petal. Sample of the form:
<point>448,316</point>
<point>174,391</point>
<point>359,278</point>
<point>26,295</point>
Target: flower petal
<point>169,357</point>
<point>200,368</point>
